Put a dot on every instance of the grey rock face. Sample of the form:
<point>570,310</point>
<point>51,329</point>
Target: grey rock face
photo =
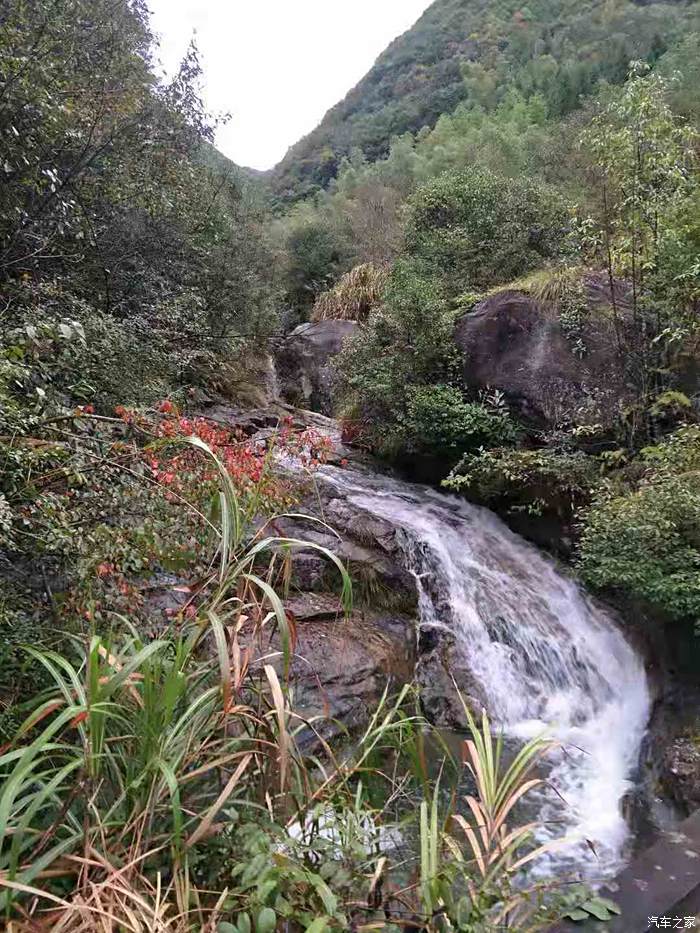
<point>303,360</point>
<point>515,344</point>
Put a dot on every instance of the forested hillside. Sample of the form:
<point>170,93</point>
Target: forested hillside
<point>475,51</point>
<point>235,649</point>
<point>559,190</point>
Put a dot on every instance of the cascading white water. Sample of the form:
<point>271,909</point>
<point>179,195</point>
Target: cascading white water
<point>548,660</point>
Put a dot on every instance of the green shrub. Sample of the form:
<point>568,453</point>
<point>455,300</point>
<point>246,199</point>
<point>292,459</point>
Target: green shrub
<point>642,539</point>
<point>406,343</point>
<point>534,481</point>
<point>475,229</point>
<point>315,256</point>
<point>439,421</point>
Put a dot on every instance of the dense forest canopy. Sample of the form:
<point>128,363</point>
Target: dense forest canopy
<point>474,52</point>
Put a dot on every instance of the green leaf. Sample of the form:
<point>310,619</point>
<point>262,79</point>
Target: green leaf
<point>267,921</point>
<point>464,909</point>
<point>319,925</point>
<point>611,905</point>
<point>266,889</point>
<point>329,899</point>
<point>596,908</point>
<point>577,914</point>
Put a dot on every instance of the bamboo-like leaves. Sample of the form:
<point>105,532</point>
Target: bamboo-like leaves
<point>118,762</point>
<point>492,845</point>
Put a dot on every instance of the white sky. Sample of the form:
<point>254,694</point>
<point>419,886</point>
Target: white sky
<point>278,65</point>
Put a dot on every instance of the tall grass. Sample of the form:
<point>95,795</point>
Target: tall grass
<point>469,860</point>
<point>123,767</point>
<point>160,785</point>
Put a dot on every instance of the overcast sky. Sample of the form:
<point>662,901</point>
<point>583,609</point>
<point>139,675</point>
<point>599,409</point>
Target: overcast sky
<point>277,65</point>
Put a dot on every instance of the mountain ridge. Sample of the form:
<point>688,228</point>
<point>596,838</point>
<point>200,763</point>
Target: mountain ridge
<point>470,52</point>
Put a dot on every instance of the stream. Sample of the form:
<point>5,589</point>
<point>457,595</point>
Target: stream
<point>547,659</point>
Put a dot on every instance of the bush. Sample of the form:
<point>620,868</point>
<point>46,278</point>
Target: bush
<point>533,481</point>
<point>315,256</point>
<point>406,343</point>
<point>439,422</point>
<point>642,539</point>
<point>475,229</point>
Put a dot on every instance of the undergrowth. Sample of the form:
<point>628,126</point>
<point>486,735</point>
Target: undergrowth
<point>166,783</point>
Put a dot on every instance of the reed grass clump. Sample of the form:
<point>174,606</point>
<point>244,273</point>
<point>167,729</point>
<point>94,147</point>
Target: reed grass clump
<point>357,294</point>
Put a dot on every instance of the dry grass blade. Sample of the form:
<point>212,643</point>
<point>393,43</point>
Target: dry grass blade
<point>473,842</point>
<point>203,828</point>
<point>357,293</point>
<point>283,737</point>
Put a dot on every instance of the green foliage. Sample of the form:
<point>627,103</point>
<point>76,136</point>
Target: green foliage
<point>533,481</point>
<point>130,261</point>
<point>397,379</point>
<point>439,422</point>
<point>109,215</point>
<point>485,860</point>
<point>314,257</point>
<point>641,537</point>
<point>95,509</point>
<point>647,164</point>
<point>405,344</point>
<point>472,56</point>
<point>475,229</point>
<point>142,724</point>
<point>579,904</point>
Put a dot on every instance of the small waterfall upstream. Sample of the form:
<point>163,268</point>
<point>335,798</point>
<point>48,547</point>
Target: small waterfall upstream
<point>547,660</point>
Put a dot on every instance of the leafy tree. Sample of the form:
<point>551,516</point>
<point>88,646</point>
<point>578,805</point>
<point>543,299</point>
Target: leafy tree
<point>475,229</point>
<point>104,189</point>
<point>130,271</point>
<point>314,257</point>
<point>646,231</point>
<point>407,342</point>
<point>398,379</point>
<point>647,171</point>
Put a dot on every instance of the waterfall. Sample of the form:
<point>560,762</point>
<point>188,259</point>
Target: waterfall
<point>547,659</point>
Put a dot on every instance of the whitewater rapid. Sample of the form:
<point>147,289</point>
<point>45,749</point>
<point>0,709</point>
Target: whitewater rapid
<point>547,659</point>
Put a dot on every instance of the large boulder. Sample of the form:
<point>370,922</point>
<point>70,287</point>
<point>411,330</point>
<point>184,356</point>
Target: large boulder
<point>305,377</point>
<point>517,344</point>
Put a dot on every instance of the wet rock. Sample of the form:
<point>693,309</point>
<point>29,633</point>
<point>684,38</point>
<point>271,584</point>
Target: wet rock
<point>368,545</point>
<point>165,595</point>
<point>314,607</point>
<point>443,677</point>
<point>680,773</point>
<point>303,361</point>
<point>342,665</point>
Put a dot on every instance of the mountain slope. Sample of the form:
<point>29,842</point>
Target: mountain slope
<point>474,50</point>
